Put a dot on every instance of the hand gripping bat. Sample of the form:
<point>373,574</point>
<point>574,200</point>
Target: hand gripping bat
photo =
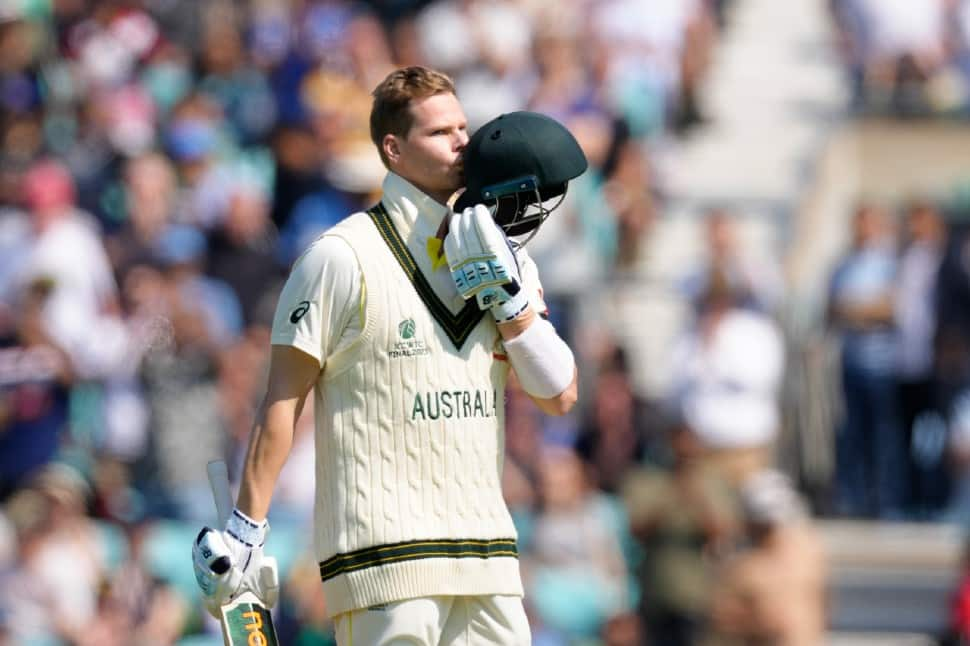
<point>245,620</point>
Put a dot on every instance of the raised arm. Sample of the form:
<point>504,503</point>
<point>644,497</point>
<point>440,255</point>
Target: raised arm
<point>484,266</point>
<point>531,360</point>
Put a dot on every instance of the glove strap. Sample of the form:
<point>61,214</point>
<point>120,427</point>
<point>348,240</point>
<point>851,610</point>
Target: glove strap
<point>510,309</point>
<point>246,530</point>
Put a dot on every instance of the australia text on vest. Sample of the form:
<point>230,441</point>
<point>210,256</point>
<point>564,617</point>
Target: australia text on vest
<point>454,404</point>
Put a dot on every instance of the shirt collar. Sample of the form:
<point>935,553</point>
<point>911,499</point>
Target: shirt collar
<point>415,214</point>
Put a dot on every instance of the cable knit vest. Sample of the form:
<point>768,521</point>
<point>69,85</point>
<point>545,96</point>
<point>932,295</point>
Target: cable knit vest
<point>409,442</point>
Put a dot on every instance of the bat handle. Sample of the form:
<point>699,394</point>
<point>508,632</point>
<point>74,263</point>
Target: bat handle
<point>219,482</point>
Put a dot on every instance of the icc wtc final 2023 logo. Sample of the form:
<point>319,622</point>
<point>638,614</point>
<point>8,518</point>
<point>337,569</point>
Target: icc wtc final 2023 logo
<point>407,345</point>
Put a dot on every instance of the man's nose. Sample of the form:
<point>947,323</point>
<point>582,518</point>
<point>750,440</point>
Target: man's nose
<point>461,140</point>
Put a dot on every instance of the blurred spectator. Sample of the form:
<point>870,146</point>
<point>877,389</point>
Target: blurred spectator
<point>914,319</point>
<point>457,34</point>
<point>167,76</point>
<point>575,571</point>
<point>487,46</point>
<point>893,47</point>
<point>952,315</point>
<point>298,170</point>
<point>958,461</point>
<point>148,609</point>
<point>757,282</point>
<point>313,214</point>
<point>563,87</point>
<point>727,381</point>
<point>149,197</point>
<point>624,629</point>
<point>20,48</point>
<point>66,252</point>
<point>14,232</point>
<point>957,87</point>
<point>774,592</point>
<point>653,55</point>
<point>336,100</point>
<point>242,254</point>
<point>368,49</point>
<point>241,91</point>
<point>627,192</point>
<point>199,142</point>
<point>181,377</point>
<point>207,301</point>
<point>35,375</point>
<point>619,427</point>
<point>24,596</point>
<point>524,441</point>
<point>684,519</point>
<point>303,609</point>
<point>55,537</point>
<point>869,442</point>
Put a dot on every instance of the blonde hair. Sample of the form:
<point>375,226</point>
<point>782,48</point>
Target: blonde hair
<point>393,96</point>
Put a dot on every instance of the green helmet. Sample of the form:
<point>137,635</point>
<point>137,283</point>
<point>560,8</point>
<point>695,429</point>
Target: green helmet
<point>515,163</point>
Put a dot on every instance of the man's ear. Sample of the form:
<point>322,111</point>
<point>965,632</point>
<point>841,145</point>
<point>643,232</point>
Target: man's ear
<point>391,148</point>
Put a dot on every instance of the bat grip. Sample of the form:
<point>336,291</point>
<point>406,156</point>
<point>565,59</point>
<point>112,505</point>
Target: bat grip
<point>219,482</point>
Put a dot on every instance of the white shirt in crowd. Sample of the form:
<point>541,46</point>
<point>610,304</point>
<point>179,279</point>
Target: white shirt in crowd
<point>728,380</point>
<point>71,255</point>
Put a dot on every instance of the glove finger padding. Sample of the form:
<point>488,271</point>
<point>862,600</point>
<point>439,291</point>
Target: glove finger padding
<point>497,245</point>
<point>269,582</point>
<point>211,560</point>
<point>479,255</point>
<point>468,227</point>
<point>505,298</point>
<point>215,571</point>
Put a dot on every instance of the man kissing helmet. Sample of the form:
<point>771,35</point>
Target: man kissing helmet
<point>516,164</point>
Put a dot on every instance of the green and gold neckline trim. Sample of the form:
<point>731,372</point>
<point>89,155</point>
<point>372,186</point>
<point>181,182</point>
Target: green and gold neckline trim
<point>413,550</point>
<point>458,326</point>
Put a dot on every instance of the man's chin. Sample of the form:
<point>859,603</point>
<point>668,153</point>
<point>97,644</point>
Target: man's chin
<point>457,180</point>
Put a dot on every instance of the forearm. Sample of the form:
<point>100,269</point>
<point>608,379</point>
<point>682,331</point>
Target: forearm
<point>548,362</point>
<point>563,402</point>
<point>865,315</point>
<point>269,446</point>
<point>511,329</point>
<point>484,266</point>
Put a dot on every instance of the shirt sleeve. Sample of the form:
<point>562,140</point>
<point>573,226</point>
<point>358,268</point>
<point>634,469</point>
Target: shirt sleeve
<point>319,298</point>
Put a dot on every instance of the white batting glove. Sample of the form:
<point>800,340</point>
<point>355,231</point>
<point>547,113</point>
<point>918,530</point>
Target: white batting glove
<point>483,264</point>
<point>231,562</point>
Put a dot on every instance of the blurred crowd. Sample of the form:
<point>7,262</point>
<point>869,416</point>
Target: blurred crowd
<point>909,59</point>
<point>163,162</point>
<point>899,305</point>
<point>899,309</point>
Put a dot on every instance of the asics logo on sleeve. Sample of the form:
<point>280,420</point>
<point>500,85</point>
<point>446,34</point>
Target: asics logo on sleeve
<point>298,313</point>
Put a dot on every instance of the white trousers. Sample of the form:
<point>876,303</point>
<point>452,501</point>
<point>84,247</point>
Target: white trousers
<point>495,620</point>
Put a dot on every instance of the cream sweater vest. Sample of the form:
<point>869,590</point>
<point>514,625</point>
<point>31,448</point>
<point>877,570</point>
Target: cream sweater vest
<point>410,423</point>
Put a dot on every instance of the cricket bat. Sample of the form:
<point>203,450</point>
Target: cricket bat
<point>245,620</point>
